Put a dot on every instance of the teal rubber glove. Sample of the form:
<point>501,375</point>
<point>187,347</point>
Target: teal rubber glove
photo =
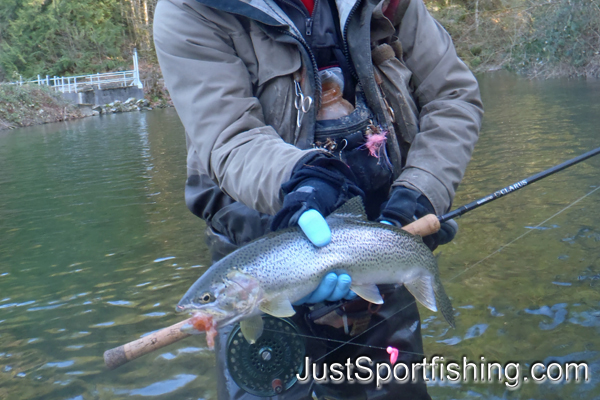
<point>331,288</point>
<point>315,228</point>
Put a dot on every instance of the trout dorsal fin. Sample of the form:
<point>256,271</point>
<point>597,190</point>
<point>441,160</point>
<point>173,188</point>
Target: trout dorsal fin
<point>353,208</point>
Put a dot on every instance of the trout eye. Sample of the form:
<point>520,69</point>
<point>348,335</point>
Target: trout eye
<point>205,298</point>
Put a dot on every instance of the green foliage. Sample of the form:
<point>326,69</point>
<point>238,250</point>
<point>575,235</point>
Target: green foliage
<point>58,37</point>
<point>536,37</point>
<point>565,34</point>
<point>31,104</point>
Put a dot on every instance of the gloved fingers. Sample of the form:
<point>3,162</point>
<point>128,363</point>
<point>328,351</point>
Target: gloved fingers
<point>323,291</point>
<point>447,231</point>
<point>341,289</point>
<point>315,228</point>
<point>350,296</point>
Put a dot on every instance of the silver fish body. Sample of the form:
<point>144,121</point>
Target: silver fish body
<point>270,273</point>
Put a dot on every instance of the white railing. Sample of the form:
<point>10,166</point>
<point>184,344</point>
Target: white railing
<point>70,84</point>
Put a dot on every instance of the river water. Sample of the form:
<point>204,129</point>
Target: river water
<point>97,246</point>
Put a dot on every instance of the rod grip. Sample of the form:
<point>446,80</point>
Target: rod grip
<point>118,356</point>
<point>424,226</point>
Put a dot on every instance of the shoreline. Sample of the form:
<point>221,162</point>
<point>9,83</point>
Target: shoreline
<point>30,105</point>
<point>73,112</point>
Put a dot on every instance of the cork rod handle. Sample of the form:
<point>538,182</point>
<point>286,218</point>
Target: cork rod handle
<point>118,356</point>
<point>425,226</point>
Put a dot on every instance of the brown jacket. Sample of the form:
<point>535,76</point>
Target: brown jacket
<point>230,67</point>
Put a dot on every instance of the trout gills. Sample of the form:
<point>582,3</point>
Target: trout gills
<point>280,268</point>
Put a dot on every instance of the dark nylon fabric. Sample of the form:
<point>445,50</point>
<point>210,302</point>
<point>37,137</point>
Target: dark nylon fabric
<point>324,184</point>
<point>321,31</point>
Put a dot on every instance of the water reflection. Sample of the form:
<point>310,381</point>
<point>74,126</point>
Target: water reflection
<point>96,247</point>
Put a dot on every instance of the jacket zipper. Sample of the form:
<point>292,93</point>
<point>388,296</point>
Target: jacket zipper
<point>309,25</point>
<point>345,40</point>
<point>309,18</point>
<point>313,61</point>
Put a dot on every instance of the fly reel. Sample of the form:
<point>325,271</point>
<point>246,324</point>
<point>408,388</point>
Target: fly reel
<point>269,366</point>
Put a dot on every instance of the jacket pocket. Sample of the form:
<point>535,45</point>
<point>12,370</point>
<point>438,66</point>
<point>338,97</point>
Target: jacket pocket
<point>273,58</point>
<point>271,65</point>
<point>387,59</point>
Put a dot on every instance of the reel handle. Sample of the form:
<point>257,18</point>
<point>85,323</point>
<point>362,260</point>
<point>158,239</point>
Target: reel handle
<point>424,226</point>
<point>118,356</point>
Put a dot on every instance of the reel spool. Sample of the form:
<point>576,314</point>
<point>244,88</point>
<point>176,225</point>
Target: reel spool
<point>269,366</point>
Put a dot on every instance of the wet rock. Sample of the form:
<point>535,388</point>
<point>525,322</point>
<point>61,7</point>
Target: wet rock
<point>129,101</point>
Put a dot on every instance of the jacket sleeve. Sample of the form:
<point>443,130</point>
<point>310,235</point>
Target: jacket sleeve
<point>212,90</point>
<point>450,107</point>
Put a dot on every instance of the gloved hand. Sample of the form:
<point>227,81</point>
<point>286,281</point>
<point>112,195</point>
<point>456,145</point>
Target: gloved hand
<point>317,187</point>
<point>406,205</point>
<point>333,287</point>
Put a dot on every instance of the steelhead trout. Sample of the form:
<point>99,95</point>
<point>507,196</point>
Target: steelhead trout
<point>280,268</point>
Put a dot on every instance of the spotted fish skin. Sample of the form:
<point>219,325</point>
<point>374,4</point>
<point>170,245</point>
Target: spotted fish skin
<point>286,266</point>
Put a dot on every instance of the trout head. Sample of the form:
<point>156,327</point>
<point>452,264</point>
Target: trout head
<point>235,296</point>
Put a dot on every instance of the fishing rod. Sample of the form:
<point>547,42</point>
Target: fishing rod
<point>427,225</point>
<point>430,224</point>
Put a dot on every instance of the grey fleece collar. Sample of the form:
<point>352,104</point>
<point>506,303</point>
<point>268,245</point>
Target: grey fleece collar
<point>271,12</point>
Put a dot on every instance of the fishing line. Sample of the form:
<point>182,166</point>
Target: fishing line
<point>338,341</point>
<point>526,233</point>
<point>365,331</point>
<point>343,343</point>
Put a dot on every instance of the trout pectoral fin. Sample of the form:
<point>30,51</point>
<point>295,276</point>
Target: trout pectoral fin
<point>368,292</point>
<point>278,306</point>
<point>252,328</point>
<point>422,289</point>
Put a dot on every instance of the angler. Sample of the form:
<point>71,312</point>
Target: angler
<point>291,108</point>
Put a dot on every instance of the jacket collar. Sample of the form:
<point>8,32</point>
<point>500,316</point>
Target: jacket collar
<point>268,12</point>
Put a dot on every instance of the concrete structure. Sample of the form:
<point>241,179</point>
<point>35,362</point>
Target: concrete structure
<point>104,96</point>
<point>96,88</point>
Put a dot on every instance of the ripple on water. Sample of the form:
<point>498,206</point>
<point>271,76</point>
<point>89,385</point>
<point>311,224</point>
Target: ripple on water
<point>161,388</point>
<point>109,323</point>
<point>186,350</point>
<point>120,303</point>
<point>557,312</point>
<point>476,331</point>
<point>155,314</point>
<point>59,364</point>
<point>163,259</point>
<point>10,305</point>
<point>50,307</point>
